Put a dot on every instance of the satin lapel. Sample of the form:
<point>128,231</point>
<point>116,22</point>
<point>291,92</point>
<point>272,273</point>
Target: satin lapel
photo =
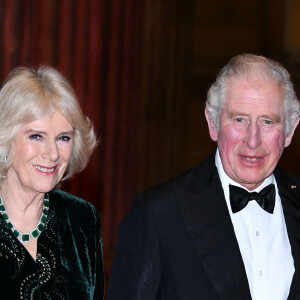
<point>290,199</point>
<point>209,226</point>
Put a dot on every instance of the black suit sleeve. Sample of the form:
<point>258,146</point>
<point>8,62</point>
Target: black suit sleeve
<point>135,273</point>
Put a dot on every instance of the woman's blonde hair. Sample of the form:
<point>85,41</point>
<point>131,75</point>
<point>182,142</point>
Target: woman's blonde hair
<point>30,94</point>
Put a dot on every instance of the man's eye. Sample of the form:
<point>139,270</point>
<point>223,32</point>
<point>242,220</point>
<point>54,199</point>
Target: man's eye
<point>239,120</point>
<point>35,137</point>
<point>268,122</point>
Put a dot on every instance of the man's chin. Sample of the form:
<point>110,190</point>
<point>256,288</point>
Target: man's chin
<point>251,183</point>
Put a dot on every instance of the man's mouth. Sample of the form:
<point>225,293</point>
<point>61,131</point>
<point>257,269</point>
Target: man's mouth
<point>251,158</point>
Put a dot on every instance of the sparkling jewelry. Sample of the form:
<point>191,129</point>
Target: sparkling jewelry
<point>35,233</point>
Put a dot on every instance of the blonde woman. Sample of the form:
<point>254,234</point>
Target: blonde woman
<point>50,241</point>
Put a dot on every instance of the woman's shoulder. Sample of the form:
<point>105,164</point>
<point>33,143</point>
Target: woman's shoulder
<point>64,200</point>
<point>75,217</point>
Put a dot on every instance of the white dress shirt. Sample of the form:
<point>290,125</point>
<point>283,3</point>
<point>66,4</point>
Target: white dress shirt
<point>263,242</point>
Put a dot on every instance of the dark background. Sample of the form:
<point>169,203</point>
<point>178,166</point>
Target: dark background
<point>141,70</point>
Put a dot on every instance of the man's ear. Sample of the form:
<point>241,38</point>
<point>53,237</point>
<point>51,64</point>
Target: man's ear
<point>212,130</point>
<point>288,138</point>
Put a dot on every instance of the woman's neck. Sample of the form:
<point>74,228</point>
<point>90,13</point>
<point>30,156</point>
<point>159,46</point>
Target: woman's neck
<point>24,209</point>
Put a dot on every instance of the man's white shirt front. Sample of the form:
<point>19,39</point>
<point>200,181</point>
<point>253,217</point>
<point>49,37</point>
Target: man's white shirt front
<point>263,242</point>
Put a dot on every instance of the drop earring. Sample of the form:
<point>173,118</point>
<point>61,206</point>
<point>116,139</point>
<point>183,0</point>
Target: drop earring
<point>2,158</point>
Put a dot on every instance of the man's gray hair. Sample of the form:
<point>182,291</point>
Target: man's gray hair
<point>250,66</point>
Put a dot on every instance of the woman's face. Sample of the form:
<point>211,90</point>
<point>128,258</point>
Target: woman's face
<point>42,152</point>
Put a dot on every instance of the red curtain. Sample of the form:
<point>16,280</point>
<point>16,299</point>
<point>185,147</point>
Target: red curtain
<point>96,45</point>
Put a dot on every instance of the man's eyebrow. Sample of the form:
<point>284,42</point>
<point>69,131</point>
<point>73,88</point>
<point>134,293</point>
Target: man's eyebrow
<point>234,113</point>
<point>275,118</point>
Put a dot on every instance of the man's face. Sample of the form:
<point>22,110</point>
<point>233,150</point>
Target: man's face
<point>251,137</point>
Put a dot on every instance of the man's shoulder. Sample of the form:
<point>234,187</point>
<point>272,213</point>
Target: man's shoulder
<point>286,178</point>
<point>193,180</point>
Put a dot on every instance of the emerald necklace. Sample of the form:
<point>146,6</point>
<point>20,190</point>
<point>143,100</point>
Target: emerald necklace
<point>35,233</point>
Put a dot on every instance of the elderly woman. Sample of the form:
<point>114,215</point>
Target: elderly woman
<point>50,242</point>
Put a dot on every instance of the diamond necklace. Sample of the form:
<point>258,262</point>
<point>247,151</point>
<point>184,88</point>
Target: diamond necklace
<point>35,233</point>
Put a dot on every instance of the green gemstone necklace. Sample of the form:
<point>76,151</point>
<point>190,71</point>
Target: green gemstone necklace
<point>35,233</point>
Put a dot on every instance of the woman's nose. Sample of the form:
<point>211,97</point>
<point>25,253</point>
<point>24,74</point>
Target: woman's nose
<point>51,151</point>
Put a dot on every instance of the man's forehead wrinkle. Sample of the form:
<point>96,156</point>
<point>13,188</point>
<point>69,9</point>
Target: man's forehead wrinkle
<point>243,105</point>
<point>256,79</point>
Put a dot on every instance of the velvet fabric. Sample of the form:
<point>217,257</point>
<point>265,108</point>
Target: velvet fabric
<point>21,276</point>
<point>80,244</point>
<point>178,241</point>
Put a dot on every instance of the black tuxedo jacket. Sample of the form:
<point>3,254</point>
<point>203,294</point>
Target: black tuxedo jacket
<point>178,241</point>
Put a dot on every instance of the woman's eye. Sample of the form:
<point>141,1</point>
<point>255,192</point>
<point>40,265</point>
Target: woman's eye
<point>65,138</point>
<point>35,137</point>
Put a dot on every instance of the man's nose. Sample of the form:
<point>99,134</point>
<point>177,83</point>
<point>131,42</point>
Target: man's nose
<point>252,136</point>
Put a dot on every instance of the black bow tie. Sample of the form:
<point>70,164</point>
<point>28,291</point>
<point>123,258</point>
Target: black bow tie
<point>239,198</point>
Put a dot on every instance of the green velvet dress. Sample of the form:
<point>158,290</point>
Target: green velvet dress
<point>69,255</point>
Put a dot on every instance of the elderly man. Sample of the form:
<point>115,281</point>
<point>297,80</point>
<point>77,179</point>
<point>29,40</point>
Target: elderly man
<point>229,228</point>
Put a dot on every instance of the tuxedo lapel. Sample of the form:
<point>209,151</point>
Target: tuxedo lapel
<point>205,214</point>
<point>290,198</point>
